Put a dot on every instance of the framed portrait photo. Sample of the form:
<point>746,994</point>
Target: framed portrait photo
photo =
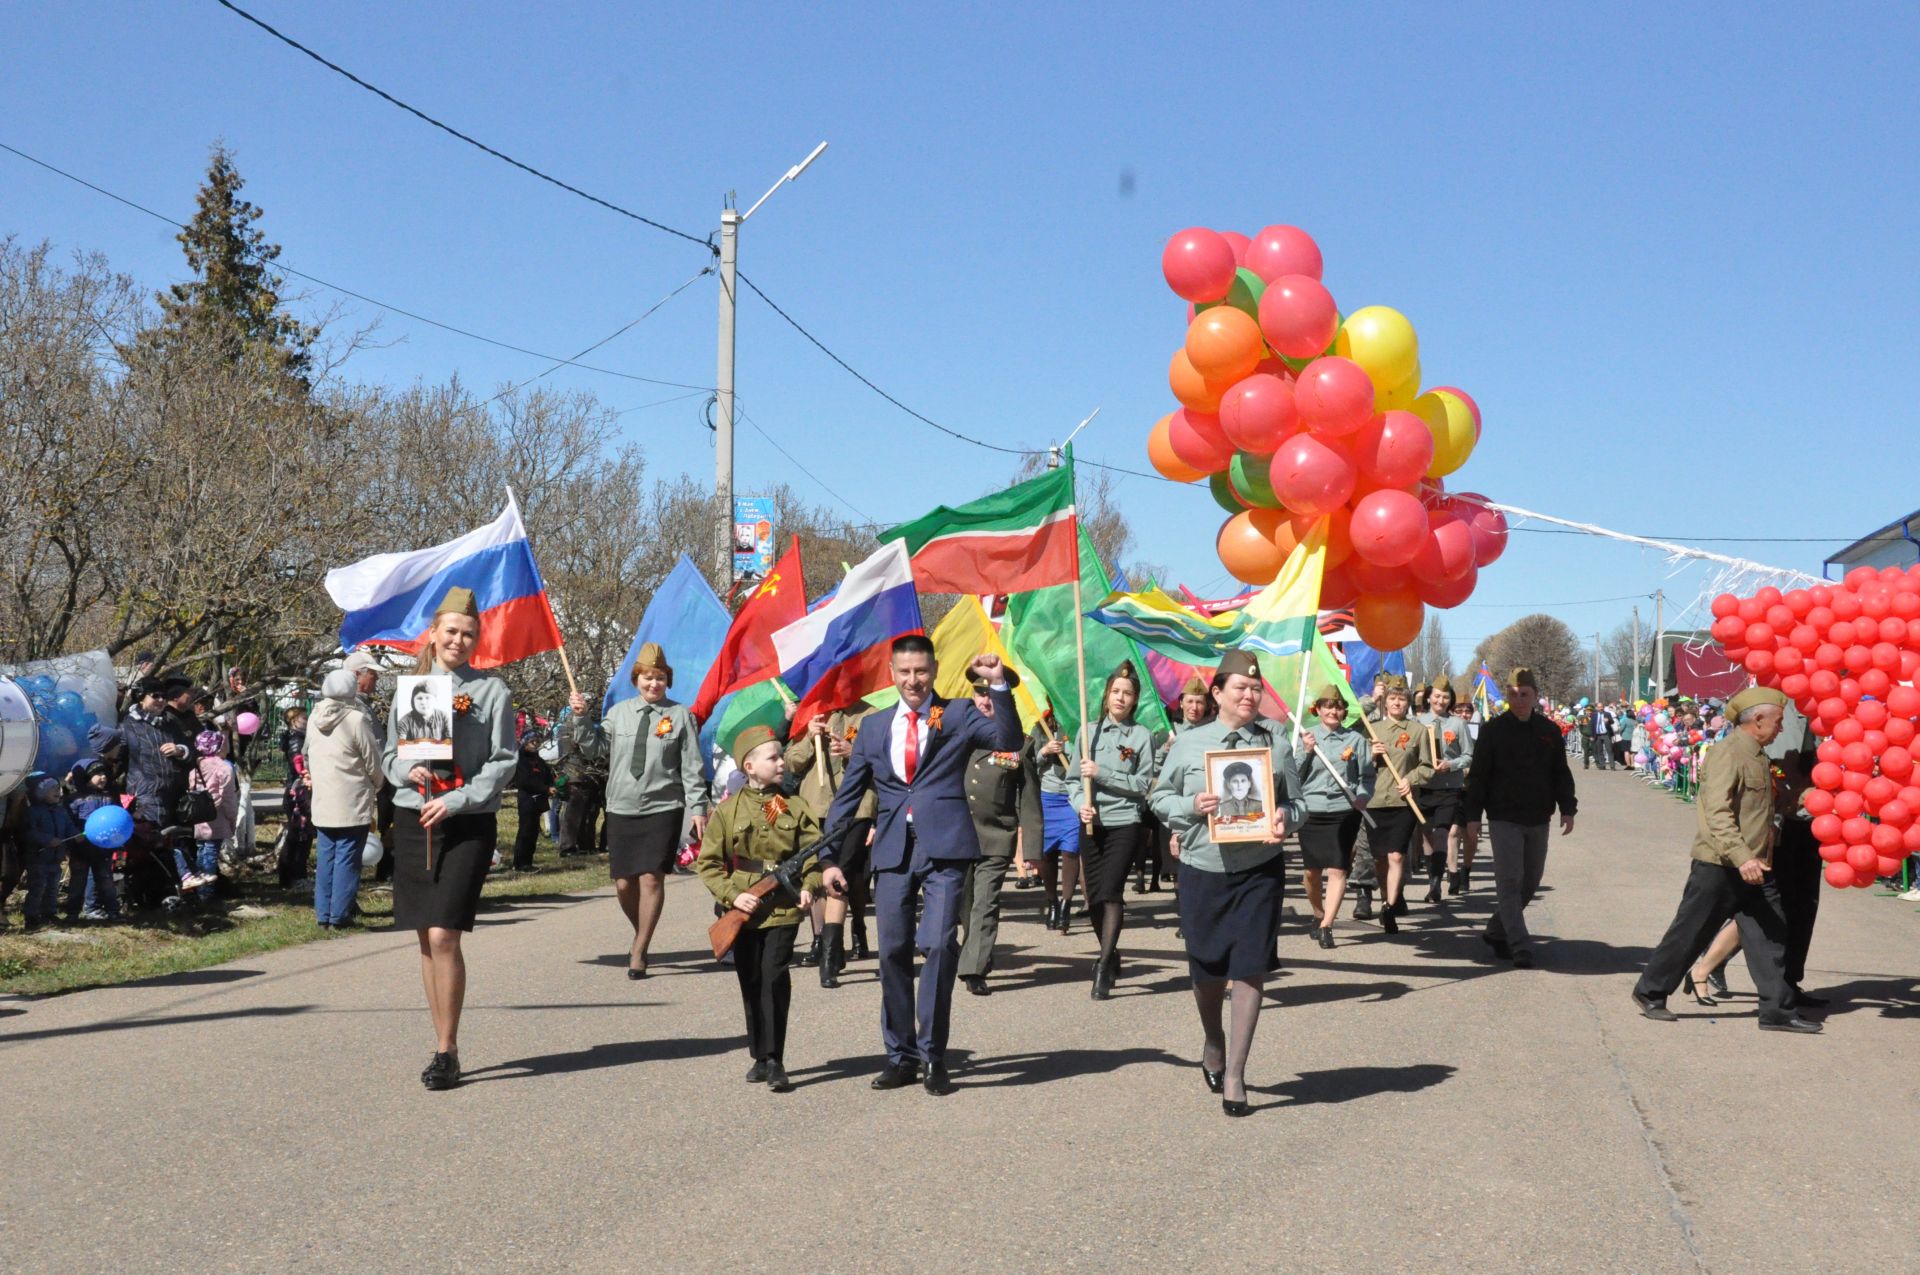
<point>425,708</point>
<point>1243,780</point>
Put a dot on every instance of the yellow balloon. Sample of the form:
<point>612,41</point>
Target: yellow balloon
<point>1380,339</point>
<point>1452,424</point>
<point>1401,396</point>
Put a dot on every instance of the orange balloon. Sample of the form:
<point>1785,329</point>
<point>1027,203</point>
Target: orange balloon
<point>1390,621</point>
<point>1339,536</point>
<point>1160,452</point>
<point>1192,389</point>
<point>1224,343</point>
<point>1248,546</point>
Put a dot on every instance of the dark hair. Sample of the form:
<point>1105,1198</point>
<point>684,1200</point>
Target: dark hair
<point>912,644</point>
<point>1124,672</point>
<point>1237,770</point>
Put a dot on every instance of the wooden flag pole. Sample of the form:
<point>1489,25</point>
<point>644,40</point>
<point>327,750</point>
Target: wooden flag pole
<point>566,665</point>
<point>1080,658</point>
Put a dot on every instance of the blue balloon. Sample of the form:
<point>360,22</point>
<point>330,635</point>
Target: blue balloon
<point>109,827</point>
<point>38,684</point>
<point>68,706</point>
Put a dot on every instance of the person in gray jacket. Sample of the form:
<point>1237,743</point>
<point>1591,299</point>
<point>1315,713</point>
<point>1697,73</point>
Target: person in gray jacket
<point>1452,752</point>
<point>1336,776</point>
<point>343,767</point>
<point>1117,758</point>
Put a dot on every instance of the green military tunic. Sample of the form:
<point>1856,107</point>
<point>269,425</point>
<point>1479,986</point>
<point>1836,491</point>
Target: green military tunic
<point>1736,803</point>
<point>1124,754</point>
<point>1457,752</point>
<point>818,783</point>
<point>750,833</point>
<point>652,752</point>
<point>1406,744</point>
<point>994,782</point>
<point>1350,753</point>
<point>1184,777</point>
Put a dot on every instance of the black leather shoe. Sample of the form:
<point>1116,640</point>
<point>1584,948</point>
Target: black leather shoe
<point>857,949</point>
<point>1717,982</point>
<point>1456,883</point>
<point>937,1082</point>
<point>1102,981</point>
<point>636,974</point>
<point>1499,946</point>
<point>832,959</point>
<point>777,1080</point>
<point>1809,999</point>
<point>1387,921</point>
<point>1522,959</point>
<point>1433,889</point>
<point>896,1076</point>
<point>1215,1080</point>
<point>1363,909</point>
<point>1656,1010</point>
<point>809,957</point>
<point>1233,1108</point>
<point>757,1074</point>
<point>1325,934</point>
<point>1797,1025</point>
<point>1693,989</point>
<point>976,984</point>
<point>444,1072</point>
<point>1400,906</point>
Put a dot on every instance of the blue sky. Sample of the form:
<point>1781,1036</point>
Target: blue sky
<point>1671,250</point>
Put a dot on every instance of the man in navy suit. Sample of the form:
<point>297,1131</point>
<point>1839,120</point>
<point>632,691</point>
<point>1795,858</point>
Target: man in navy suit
<point>915,760</point>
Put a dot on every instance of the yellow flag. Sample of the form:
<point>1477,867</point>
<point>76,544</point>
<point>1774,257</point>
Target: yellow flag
<point>964,633</point>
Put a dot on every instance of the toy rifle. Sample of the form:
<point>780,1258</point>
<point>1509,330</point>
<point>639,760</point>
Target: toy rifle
<point>723,933</point>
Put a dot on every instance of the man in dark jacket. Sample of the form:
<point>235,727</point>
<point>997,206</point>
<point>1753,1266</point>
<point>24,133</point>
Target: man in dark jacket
<point>157,748</point>
<point>1518,776</point>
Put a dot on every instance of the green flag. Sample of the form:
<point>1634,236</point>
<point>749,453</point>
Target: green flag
<point>760,704</point>
<point>1039,636</point>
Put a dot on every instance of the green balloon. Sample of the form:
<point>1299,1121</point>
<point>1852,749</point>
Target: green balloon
<point>1251,477</point>
<point>1223,495</point>
<point>1243,295</point>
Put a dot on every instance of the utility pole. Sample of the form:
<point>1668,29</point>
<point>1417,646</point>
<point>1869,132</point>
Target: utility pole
<point>1634,693</point>
<point>731,219</point>
<point>1596,670</point>
<point>1659,641</point>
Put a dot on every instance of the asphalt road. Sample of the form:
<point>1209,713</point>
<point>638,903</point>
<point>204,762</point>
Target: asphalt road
<point>1418,1107</point>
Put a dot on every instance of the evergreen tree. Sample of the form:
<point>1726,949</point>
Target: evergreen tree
<point>233,299</point>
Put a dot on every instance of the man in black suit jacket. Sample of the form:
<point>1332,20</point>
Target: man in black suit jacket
<point>914,758</point>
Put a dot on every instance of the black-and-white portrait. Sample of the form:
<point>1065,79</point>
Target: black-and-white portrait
<point>425,704</point>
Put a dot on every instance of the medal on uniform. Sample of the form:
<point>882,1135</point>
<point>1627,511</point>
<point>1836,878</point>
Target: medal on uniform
<point>772,808</point>
<point>1127,754</point>
<point>664,729</point>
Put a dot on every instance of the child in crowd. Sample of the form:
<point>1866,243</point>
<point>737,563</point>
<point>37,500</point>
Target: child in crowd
<point>49,826</point>
<point>213,775</point>
<point>749,834</point>
<point>90,891</point>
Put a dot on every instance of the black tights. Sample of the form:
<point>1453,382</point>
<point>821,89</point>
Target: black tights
<point>1109,917</point>
<point>1059,876</point>
<point>1231,1054</point>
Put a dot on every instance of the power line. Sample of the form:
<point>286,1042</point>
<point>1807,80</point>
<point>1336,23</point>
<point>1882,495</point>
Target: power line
<point>1709,540</point>
<point>277,264</point>
<point>821,482</point>
<point>415,111</point>
<point>1582,602</point>
<point>621,331</point>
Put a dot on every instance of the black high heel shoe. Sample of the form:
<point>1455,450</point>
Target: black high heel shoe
<point>1215,1080</point>
<point>1717,983</point>
<point>1693,990</point>
<point>1236,1107</point>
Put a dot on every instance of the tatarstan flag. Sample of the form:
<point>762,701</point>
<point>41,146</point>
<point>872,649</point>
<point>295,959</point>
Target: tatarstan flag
<point>1014,541</point>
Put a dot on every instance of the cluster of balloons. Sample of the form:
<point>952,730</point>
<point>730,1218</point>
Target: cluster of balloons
<point>1847,656</point>
<point>1665,740</point>
<point>65,720</point>
<point>1296,415</point>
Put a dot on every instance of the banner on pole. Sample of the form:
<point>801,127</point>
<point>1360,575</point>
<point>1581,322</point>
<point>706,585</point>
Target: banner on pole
<point>752,537</point>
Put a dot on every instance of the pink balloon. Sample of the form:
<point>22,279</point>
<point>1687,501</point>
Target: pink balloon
<point>1489,528</point>
<point>1298,317</point>
<point>1466,398</point>
<point>1240,243</point>
<point>1394,449</point>
<point>1447,594</point>
<point>1310,477</point>
<point>1283,250</point>
<point>1335,396</point>
<point>1198,264</point>
<point>247,723</point>
<point>1388,528</point>
<point>1197,439</point>
<point>1448,551</point>
<point>1258,413</point>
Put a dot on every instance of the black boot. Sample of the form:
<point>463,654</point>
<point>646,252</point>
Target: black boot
<point>1435,866</point>
<point>832,959</point>
<point>1456,883</point>
<point>811,955</point>
<point>1363,907</point>
<point>858,949</point>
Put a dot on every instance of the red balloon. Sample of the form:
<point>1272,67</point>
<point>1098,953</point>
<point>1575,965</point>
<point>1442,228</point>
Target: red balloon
<point>1876,683</point>
<point>1855,782</point>
<point>1724,605</point>
<point>1798,601</point>
<point>1758,662</point>
<point>1395,448</point>
<point>1886,843</point>
<point>1258,413</point>
<point>1900,730</point>
<point>1848,804</point>
<point>1856,831</point>
<point>1887,867</point>
<point>1334,396</point>
<point>1728,628</point>
<point>1826,827</point>
<point>1447,552</point>
<point>1879,791</point>
<point>1369,577</point>
<point>1839,875</point>
<point>1795,686</point>
<point>1197,439</point>
<point>1823,682</point>
<point>1760,633</point>
<point>1298,317</point>
<point>1239,243</point>
<point>1489,528</point>
<point>1857,757</point>
<point>1388,528</point>
<point>1827,775</point>
<point>1896,813</point>
<point>1876,740</point>
<point>1337,589</point>
<point>1389,621</point>
<point>1846,606</point>
<point>1904,701</point>
<point>1833,852</point>
<point>1198,264</point>
<point>1311,477</point>
<point>1817,802</point>
<point>1862,859</point>
<point>1896,764</point>
<point>1283,250</point>
<point>1447,594</point>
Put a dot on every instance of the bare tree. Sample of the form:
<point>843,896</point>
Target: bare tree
<point>1617,654</point>
<point>1428,659</point>
<point>1545,645</point>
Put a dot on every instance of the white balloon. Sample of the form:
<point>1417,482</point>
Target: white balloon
<point>375,851</point>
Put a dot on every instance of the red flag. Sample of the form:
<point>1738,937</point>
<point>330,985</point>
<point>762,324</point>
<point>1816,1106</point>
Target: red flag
<point>747,655</point>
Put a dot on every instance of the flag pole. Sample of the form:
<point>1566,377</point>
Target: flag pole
<point>1079,607</point>
<point>1306,667</point>
<point>566,665</point>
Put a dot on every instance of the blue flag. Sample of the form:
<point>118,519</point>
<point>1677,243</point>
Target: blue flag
<point>688,621</point>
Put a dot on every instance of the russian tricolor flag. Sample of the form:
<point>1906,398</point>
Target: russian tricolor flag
<point>389,598</point>
<point>837,654</point>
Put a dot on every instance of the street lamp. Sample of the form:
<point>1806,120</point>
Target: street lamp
<point>731,219</point>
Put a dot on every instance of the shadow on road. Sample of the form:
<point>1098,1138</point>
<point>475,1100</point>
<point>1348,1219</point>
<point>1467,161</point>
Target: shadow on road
<point>625,1053</point>
<point>171,1020</point>
<point>1347,1084</point>
<point>1893,997</point>
<point>1590,956</point>
<point>194,978</point>
<point>1058,1064</point>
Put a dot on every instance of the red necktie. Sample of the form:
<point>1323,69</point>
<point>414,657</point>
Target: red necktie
<point>913,744</point>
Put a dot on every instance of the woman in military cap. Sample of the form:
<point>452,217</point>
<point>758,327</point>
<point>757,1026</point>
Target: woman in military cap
<point>1465,841</point>
<point>1450,752</point>
<point>1118,759</point>
<point>1399,743</point>
<point>1336,776</point>
<point>444,821</point>
<point>654,781</point>
<point>750,834</point>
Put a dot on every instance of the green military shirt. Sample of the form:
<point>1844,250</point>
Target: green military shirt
<point>484,752</point>
<point>653,759</point>
<point>755,824</point>
<point>1055,775</point>
<point>1735,803</point>
<point>1184,777</point>
<point>819,783</point>
<point>1124,754</point>
<point>1350,754</point>
<point>1406,744</point>
<point>1456,751</point>
<point>994,781</point>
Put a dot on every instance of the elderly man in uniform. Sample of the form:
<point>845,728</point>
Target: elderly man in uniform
<point>993,799</point>
<point>1732,873</point>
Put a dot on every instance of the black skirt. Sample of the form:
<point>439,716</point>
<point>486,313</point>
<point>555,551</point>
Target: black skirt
<point>1231,919</point>
<point>1441,806</point>
<point>856,856</point>
<point>447,896</point>
<point>1392,830</point>
<point>639,844</point>
<point>1106,857</point>
<point>1326,840</point>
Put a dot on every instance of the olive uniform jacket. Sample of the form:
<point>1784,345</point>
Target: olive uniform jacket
<point>1406,743</point>
<point>818,783</point>
<point>1735,804</point>
<point>749,834</point>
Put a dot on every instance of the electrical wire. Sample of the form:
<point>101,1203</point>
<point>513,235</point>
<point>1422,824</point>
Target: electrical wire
<point>278,264</point>
<point>819,481</point>
<point>1581,602</point>
<point>621,331</point>
<point>1709,540</point>
<point>416,112</point>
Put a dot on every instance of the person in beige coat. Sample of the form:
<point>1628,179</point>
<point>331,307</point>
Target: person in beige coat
<point>343,767</point>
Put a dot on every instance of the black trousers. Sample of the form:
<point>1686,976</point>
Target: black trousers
<point>581,829</point>
<point>766,989</point>
<point>1715,892</point>
<point>1797,867</point>
<point>528,836</point>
